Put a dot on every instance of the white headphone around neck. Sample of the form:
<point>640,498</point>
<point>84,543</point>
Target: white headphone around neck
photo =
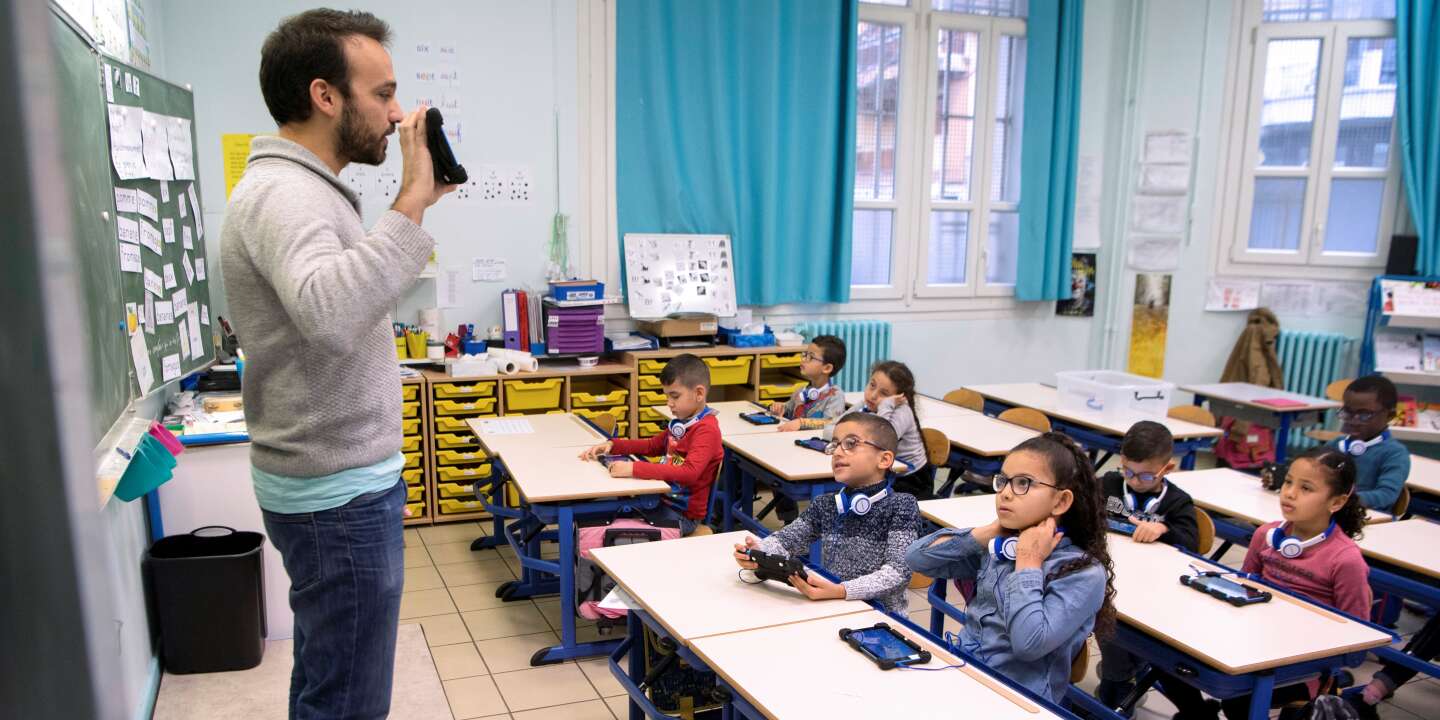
<point>1293,547</point>
<point>1357,448</point>
<point>678,426</point>
<point>1151,504</point>
<point>811,394</point>
<point>858,504</point>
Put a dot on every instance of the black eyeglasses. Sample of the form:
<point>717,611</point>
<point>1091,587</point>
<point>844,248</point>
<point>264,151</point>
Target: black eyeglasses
<point>849,443</point>
<point>807,355</point>
<point>1345,415</point>
<point>1020,483</point>
<point>1144,477</point>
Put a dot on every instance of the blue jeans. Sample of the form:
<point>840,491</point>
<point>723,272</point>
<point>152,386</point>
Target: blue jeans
<point>347,570</point>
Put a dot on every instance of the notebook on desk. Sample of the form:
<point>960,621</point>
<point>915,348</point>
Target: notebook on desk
<point>1279,402</point>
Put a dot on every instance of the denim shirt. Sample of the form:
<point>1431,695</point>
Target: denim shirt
<point>1023,627</point>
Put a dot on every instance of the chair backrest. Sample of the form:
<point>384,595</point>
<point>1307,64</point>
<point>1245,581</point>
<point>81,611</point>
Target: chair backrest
<point>1080,664</point>
<point>937,446</point>
<point>606,423</point>
<point>1402,504</point>
<point>966,398</point>
<point>1336,390</point>
<point>1027,417</point>
<point>1206,527</point>
<point>1194,414</point>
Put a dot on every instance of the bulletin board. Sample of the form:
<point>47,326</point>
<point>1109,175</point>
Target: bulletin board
<point>670,274</point>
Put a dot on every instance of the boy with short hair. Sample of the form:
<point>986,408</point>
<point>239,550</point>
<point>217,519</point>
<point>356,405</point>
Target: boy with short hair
<point>863,529</point>
<point>1140,495</point>
<point>815,405</point>
<point>1382,463</point>
<point>690,447</point>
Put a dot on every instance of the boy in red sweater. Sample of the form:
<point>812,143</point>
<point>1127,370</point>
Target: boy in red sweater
<point>690,449</point>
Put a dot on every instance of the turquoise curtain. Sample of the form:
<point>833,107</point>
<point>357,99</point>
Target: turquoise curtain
<point>1417,27</point>
<point>738,118</point>
<point>1047,149</point>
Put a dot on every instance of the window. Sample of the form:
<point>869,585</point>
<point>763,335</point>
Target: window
<point>940,90</point>
<point>1319,185</point>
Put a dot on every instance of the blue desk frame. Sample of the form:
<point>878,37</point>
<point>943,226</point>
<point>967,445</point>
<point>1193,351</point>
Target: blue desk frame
<point>1099,442</point>
<point>1283,419</point>
<point>743,474</point>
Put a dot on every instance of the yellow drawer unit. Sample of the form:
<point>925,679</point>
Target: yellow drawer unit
<point>410,409</point>
<point>412,460</point>
<point>409,392</point>
<point>411,443</point>
<point>416,510</point>
<point>411,426</point>
<point>533,394</point>
<point>414,493</point>
<point>619,413</point>
<point>729,371</point>
<point>463,390</point>
<point>460,457</point>
<point>553,411</point>
<point>455,441</point>
<point>645,430</point>
<point>788,360</point>
<point>650,415</point>
<point>651,367</point>
<point>456,423</point>
<point>463,473</point>
<point>459,507</point>
<point>596,393</point>
<point>652,397</point>
<point>780,390</point>
<point>455,491</point>
<point>649,382</point>
<point>413,476</point>
<point>474,406</point>
<point>622,429</point>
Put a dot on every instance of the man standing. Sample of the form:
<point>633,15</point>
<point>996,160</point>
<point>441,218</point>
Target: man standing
<point>310,292</point>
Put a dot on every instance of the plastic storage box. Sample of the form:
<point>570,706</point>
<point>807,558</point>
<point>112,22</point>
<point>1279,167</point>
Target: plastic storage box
<point>1113,394</point>
<point>533,395</point>
<point>729,371</point>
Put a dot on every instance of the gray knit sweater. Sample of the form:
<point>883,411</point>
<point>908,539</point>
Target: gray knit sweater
<point>867,552</point>
<point>310,292</point>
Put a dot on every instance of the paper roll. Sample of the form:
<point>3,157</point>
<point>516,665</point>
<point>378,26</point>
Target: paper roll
<point>524,362</point>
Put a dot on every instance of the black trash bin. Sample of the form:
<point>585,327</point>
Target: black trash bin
<point>207,589</point>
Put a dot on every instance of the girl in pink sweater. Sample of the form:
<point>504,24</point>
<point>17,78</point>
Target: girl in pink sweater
<point>1312,553</point>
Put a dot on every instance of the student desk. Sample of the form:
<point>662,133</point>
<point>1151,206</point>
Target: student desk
<point>1424,484</point>
<point>929,407</point>
<point>1172,626</point>
<point>557,488</point>
<point>978,442</point>
<point>1238,400</point>
<point>756,638</point>
<point>728,413</point>
<point>1234,494</point>
<point>1092,429</point>
<point>773,459</point>
<point>1403,560</point>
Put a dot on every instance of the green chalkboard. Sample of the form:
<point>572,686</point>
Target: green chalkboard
<point>84,100</point>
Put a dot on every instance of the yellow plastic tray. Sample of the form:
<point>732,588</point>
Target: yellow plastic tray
<point>414,493</point>
<point>410,410</point>
<point>411,426</point>
<point>615,396</point>
<point>416,510</point>
<point>552,411</point>
<point>618,413</point>
<point>466,473</point>
<point>455,441</point>
<point>463,390</point>
<point>622,429</point>
<point>456,507</point>
<point>460,491</point>
<point>652,397</point>
<point>729,371</point>
<point>780,391</point>
<point>651,367</point>
<point>650,414</point>
<point>533,394</point>
<point>413,477</point>
<point>650,382</point>
<point>460,457</point>
<point>411,443</point>
<point>410,392</point>
<point>645,430</point>
<point>788,360</point>
<point>475,406</point>
<point>456,424</point>
<point>412,459</point>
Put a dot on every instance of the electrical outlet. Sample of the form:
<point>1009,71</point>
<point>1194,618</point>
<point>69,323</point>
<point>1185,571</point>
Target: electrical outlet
<point>387,185</point>
<point>492,187</point>
<point>518,187</point>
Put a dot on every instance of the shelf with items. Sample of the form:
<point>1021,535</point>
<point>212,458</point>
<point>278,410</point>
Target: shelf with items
<point>1410,377</point>
<point>1402,339</point>
<point>414,441</point>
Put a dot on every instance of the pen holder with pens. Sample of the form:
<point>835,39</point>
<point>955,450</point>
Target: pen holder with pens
<point>415,344</point>
<point>401,352</point>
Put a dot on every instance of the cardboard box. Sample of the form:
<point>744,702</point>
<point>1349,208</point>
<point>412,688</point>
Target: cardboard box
<point>686,326</point>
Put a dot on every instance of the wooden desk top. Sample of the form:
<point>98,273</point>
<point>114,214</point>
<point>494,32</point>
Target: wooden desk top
<point>804,670</point>
<point>778,453</point>
<point>559,475</point>
<point>1424,475</point>
<point>979,434</point>
<point>728,413</point>
<point>1231,492</point>
<point>929,407</point>
<point>606,367</point>
<point>1409,544</point>
<point>960,512</point>
<point>1046,400</point>
<point>550,431</point>
<point>1246,394</point>
<point>693,588</point>
<point>1149,596</point>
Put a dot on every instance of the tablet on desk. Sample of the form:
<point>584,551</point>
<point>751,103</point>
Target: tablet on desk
<point>759,418</point>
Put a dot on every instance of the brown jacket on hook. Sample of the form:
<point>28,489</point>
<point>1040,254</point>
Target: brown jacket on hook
<point>1253,359</point>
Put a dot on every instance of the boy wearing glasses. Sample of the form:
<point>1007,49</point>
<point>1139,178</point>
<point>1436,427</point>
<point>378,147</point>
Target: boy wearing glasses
<point>1138,494</point>
<point>1382,464</point>
<point>863,529</point>
<point>813,407</point>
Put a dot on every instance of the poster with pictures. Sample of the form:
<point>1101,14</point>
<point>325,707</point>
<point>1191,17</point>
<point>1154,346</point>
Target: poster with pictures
<point>669,274</point>
<point>1149,324</point>
<point>1082,288</point>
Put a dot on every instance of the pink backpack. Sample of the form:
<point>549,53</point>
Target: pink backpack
<point>1245,445</point>
<point>591,583</point>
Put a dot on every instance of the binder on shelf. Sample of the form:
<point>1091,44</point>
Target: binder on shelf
<point>524,312</point>
<point>510,318</point>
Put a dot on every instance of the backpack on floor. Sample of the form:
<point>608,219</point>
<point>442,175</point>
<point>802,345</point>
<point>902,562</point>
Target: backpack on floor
<point>1244,445</point>
<point>673,685</point>
<point>591,583</point>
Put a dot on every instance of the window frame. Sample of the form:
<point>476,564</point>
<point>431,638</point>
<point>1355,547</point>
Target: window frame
<point>1244,99</point>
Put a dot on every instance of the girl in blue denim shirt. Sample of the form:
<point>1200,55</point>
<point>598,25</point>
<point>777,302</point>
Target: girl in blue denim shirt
<point>1043,573</point>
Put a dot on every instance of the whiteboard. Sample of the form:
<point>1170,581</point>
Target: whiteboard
<point>668,274</point>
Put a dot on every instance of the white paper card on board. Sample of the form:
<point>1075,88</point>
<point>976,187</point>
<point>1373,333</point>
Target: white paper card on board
<point>195,205</point>
<point>140,356</point>
<point>1287,298</point>
<point>1164,179</point>
<point>204,314</point>
<point>130,258</point>
<point>125,200</point>
<point>488,269</point>
<point>154,284</point>
<point>1168,146</point>
<point>150,237</point>
<point>1341,299</point>
<point>184,340</point>
<point>167,228</point>
<point>187,240</point>
<point>179,298</point>
<point>1089,176</point>
<point>178,141</point>
<point>164,191</point>
<point>164,312</point>
<point>189,269</point>
<point>156,146</point>
<point>145,205</point>
<point>169,270</point>
<point>192,321</point>
<point>1154,253</point>
<point>149,313</point>
<point>1160,214</point>
<point>180,205</point>
<point>200,268</point>
<point>1230,294</point>
<point>109,83</point>
<point>126,147</point>
<point>169,367</point>
<point>127,230</point>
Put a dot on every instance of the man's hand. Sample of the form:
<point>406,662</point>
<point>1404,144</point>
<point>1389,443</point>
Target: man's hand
<point>1147,531</point>
<point>817,588</point>
<point>622,469</point>
<point>595,452</point>
<point>741,558</point>
<point>418,189</point>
